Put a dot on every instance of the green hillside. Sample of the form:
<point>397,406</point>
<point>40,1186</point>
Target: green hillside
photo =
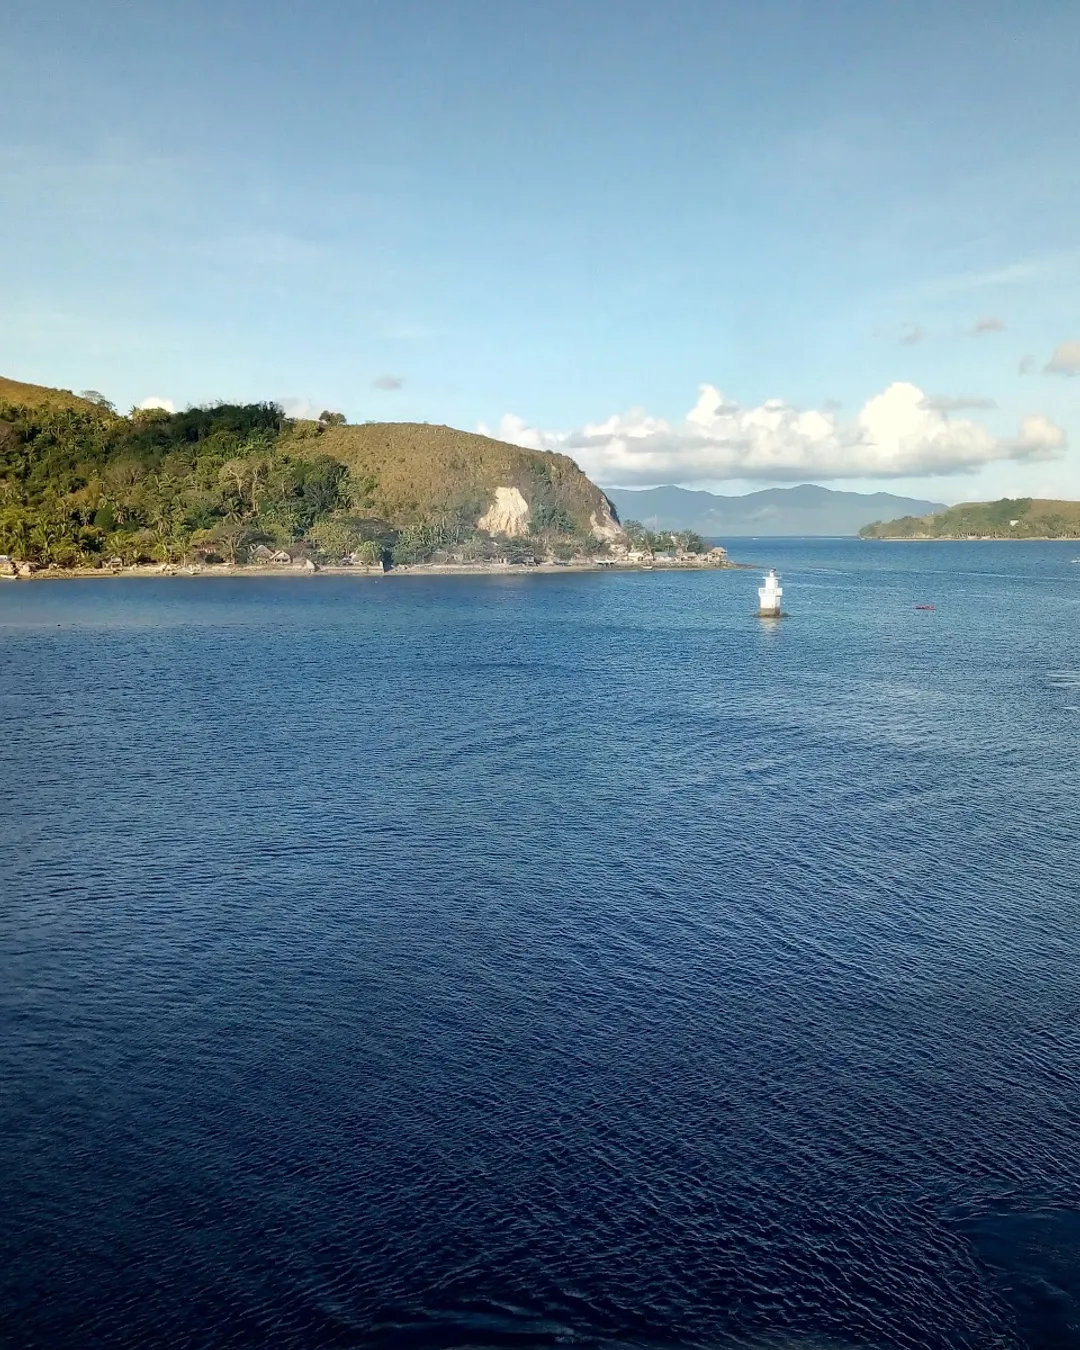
<point>81,485</point>
<point>13,393</point>
<point>413,472</point>
<point>1009,518</point>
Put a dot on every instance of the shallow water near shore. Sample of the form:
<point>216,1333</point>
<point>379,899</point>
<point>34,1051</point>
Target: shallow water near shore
<point>546,960</point>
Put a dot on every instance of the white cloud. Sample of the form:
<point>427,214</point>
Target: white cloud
<point>154,401</point>
<point>516,431</point>
<point>301,408</point>
<point>1026,366</point>
<point>999,276</point>
<point>989,323</point>
<point>1065,360</point>
<point>896,434</point>
<point>954,403</point>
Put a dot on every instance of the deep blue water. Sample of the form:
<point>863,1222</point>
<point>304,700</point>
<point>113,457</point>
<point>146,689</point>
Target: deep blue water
<point>535,961</point>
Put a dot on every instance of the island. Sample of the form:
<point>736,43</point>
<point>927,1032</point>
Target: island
<point>1008,518</point>
<point>241,488</point>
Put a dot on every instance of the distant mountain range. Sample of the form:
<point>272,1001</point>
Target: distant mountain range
<point>797,510</point>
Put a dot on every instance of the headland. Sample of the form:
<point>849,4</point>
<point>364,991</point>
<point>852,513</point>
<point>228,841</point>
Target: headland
<point>244,490</point>
<point>1010,518</point>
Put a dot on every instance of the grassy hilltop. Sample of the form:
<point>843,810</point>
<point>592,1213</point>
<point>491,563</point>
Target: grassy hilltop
<point>81,485</point>
<point>15,394</point>
<point>1034,519</point>
<point>415,469</point>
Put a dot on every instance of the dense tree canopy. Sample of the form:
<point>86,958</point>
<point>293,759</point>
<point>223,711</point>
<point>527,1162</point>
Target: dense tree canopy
<point>663,541</point>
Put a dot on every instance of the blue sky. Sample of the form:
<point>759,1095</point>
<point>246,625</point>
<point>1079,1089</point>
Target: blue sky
<point>562,218</point>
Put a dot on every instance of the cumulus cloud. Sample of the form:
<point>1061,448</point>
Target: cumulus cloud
<point>1065,360</point>
<point>301,408</point>
<point>154,401</point>
<point>387,382</point>
<point>987,324</point>
<point>954,403</point>
<point>895,434</point>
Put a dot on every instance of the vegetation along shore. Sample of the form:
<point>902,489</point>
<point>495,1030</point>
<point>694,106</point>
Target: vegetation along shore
<point>1009,518</point>
<point>227,488</point>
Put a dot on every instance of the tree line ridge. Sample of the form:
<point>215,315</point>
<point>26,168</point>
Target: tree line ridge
<point>1007,518</point>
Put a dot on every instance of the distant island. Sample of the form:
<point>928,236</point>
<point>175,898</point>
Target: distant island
<point>803,510</point>
<point>230,486</point>
<point>1009,518</point>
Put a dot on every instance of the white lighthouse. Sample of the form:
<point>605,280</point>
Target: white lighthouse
<point>769,596</point>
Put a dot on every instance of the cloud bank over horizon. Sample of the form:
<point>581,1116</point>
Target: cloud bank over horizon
<point>1065,360</point>
<point>898,433</point>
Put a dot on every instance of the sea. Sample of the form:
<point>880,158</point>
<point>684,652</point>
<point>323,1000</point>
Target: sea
<point>545,960</point>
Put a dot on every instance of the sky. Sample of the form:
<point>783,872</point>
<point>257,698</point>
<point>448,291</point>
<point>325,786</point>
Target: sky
<point>725,245</point>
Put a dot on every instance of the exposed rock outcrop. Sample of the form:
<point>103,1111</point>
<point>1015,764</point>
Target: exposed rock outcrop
<point>508,514</point>
<point>604,525</point>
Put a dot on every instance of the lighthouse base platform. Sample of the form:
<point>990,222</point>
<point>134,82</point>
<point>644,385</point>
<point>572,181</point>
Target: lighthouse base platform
<point>772,614</point>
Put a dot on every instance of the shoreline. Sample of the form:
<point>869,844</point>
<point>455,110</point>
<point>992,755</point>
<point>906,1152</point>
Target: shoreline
<point>177,571</point>
<point>972,539</point>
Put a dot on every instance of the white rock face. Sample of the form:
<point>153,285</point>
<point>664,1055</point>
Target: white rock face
<point>604,526</point>
<point>508,513</point>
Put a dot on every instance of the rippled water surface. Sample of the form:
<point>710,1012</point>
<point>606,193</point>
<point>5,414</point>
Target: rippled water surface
<point>528,961</point>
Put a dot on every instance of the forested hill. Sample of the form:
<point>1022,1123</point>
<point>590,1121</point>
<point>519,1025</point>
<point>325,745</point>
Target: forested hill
<point>1009,518</point>
<point>81,485</point>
